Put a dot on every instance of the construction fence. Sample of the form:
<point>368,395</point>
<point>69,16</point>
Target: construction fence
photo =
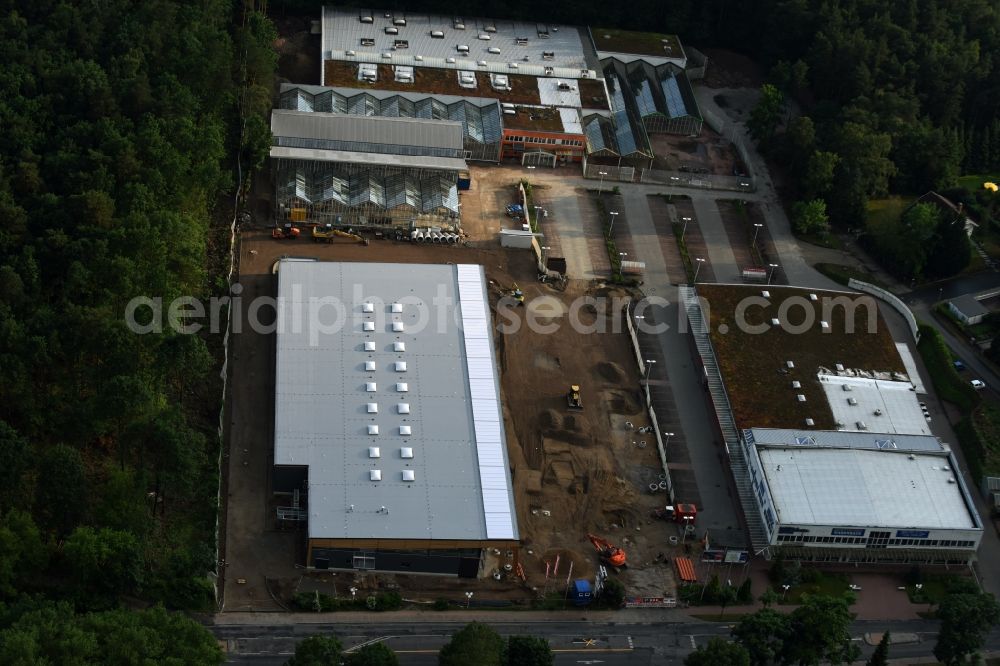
<point>648,398</point>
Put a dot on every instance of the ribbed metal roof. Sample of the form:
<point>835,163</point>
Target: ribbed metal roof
<point>415,132</point>
<point>451,434</point>
<point>350,157</point>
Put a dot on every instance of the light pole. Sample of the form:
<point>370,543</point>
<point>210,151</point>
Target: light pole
<point>468,598</point>
<point>602,174</point>
<point>354,592</point>
<point>770,273</point>
<point>783,594</point>
<point>666,443</point>
<point>687,523</point>
<point>757,226</point>
<point>611,227</point>
<point>684,230</point>
<point>699,261</point>
<point>648,363</point>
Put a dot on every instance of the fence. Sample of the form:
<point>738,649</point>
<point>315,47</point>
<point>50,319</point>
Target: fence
<point>627,311</point>
<point>892,300</point>
<point>621,174</point>
<point>697,63</point>
<point>734,135</point>
<point>704,181</point>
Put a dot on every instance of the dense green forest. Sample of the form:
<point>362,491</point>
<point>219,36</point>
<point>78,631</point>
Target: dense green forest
<point>121,128</point>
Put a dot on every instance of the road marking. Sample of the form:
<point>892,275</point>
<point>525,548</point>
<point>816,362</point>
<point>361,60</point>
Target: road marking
<point>631,645</point>
<point>693,644</point>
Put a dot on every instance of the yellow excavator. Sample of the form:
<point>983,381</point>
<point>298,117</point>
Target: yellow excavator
<point>327,234</point>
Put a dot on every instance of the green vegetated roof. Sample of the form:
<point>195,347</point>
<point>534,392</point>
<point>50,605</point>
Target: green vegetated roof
<point>637,43</point>
<point>754,366</point>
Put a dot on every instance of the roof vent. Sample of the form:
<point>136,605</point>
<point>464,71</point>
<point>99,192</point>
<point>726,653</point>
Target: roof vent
<point>861,425</point>
<point>946,468</point>
<point>911,457</point>
<point>951,479</point>
<point>825,325</point>
<point>481,63</point>
<point>367,307</point>
<point>405,430</point>
<point>796,384</point>
<point>369,366</point>
<point>369,326</point>
<point>810,422</point>
<point>405,452</point>
<point>375,474</point>
<point>397,326</point>
<point>373,452</point>
<point>372,429</point>
<point>349,53</point>
<point>409,475</point>
<point>400,366</point>
<point>402,387</point>
<point>369,346</point>
<point>437,34</point>
<point>418,58</point>
<point>397,307</point>
<point>366,18</point>
<point>800,398</point>
<point>852,401</point>
<point>450,60</point>
<point>765,294</point>
<point>373,408</point>
<point>370,387</point>
<point>398,346</point>
<point>403,408</point>
<point>847,387</point>
<point>813,297</point>
<point>483,36</point>
<point>790,364</point>
<point>775,321</point>
<point>839,367</point>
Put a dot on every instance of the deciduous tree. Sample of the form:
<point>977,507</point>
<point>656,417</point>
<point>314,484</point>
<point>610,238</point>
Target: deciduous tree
<point>965,620</point>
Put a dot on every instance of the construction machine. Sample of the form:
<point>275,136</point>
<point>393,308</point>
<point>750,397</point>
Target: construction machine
<point>573,399</point>
<point>286,232</point>
<point>327,234</point>
<point>512,291</point>
<point>610,554</point>
<point>682,514</point>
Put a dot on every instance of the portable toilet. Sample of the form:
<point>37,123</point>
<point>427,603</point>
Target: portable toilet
<point>582,592</point>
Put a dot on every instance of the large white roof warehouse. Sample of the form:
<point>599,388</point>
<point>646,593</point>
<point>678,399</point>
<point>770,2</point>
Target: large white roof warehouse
<point>388,393</point>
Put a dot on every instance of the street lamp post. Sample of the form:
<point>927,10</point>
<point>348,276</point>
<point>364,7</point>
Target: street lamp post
<point>602,174</point>
<point>666,443</point>
<point>611,227</point>
<point>621,258</point>
<point>783,594</point>
<point>685,228</point>
<point>648,363</point>
<point>468,597</point>
<point>699,261</point>
<point>770,273</point>
<point>757,226</point>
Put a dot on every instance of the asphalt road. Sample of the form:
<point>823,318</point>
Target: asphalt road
<point>604,643</point>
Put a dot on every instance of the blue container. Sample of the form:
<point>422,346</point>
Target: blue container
<point>582,593</point>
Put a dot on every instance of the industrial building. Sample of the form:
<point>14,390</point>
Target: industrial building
<point>831,450</point>
<point>479,116</point>
<point>833,496</point>
<point>366,171</point>
<point>387,420</point>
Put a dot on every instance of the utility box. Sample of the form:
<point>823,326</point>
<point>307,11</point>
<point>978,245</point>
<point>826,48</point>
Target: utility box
<point>582,593</point>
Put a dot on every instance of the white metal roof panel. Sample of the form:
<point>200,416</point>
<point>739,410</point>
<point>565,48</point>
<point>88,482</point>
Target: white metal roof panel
<point>350,157</point>
<point>884,406</point>
<point>819,486</point>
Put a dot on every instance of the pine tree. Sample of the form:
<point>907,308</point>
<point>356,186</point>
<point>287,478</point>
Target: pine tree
<point>881,655</point>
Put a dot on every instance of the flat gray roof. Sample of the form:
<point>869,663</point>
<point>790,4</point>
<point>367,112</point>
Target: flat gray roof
<point>340,390</point>
<point>969,306</point>
<point>415,132</point>
<point>866,488</point>
<point>343,32</point>
<point>350,157</point>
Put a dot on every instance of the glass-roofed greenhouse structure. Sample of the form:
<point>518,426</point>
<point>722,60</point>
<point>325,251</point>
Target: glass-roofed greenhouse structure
<point>660,97</point>
<point>480,117</point>
<point>352,170</point>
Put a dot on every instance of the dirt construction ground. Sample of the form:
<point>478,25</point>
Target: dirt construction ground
<point>574,472</point>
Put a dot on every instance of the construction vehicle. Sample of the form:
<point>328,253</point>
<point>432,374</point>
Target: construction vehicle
<point>610,554</point>
<point>286,232</point>
<point>682,514</point>
<point>327,234</point>
<point>513,291</point>
<point>573,399</point>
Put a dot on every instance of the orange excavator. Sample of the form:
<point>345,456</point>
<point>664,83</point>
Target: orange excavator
<point>610,553</point>
<point>286,232</point>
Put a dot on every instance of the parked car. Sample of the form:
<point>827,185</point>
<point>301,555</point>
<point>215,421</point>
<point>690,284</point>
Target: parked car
<point>978,384</point>
<point>959,365</point>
